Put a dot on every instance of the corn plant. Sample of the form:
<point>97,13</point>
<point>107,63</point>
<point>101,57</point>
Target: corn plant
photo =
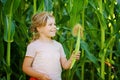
<point>83,13</point>
<point>100,46</point>
<point>77,32</point>
<point>9,30</point>
<point>103,27</point>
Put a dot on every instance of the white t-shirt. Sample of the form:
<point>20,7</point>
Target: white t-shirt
<point>46,58</point>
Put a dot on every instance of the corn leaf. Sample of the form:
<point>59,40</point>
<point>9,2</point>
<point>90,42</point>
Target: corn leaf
<point>90,56</point>
<point>9,30</point>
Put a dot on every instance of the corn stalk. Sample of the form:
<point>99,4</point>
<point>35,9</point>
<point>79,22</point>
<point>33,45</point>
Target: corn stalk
<point>102,28</point>
<point>9,31</point>
<point>74,12</point>
<point>83,16</point>
<point>103,47</point>
<point>112,16</point>
<point>8,37</point>
<point>34,6</point>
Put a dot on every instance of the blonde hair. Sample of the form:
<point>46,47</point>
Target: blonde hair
<point>39,20</point>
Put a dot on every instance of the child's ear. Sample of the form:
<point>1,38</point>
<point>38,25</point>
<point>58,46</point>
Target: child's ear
<point>39,29</point>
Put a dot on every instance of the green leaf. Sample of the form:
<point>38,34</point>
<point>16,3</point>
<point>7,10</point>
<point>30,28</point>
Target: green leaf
<point>48,5</point>
<point>7,6</point>
<point>75,12</point>
<point>15,5</point>
<point>41,6</point>
<point>9,30</point>
<point>64,19</point>
<point>90,56</point>
<point>11,4</point>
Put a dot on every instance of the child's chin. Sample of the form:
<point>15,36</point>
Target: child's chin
<point>53,35</point>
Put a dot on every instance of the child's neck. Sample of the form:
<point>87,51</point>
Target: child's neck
<point>46,40</point>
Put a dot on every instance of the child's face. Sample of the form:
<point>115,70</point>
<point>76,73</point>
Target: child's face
<point>50,29</point>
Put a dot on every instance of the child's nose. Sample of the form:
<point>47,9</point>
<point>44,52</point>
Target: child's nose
<point>54,26</point>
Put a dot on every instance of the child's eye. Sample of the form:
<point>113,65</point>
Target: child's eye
<point>50,24</point>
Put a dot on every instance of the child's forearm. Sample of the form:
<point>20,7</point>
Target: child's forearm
<point>29,71</point>
<point>67,64</point>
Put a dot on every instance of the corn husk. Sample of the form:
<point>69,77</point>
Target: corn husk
<point>77,32</point>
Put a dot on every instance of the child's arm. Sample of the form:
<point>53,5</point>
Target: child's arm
<point>67,63</point>
<point>29,71</point>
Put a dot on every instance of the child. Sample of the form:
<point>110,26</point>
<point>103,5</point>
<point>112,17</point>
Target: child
<point>45,57</point>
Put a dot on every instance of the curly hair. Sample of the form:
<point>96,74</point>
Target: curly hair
<point>39,20</point>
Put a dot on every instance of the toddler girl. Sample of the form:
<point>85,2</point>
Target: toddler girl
<point>45,57</point>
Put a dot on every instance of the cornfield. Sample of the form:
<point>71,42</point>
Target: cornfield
<point>100,45</point>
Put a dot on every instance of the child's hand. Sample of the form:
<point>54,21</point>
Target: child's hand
<point>75,56</point>
<point>45,77</point>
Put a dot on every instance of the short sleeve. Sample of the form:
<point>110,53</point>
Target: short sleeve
<point>30,50</point>
<point>62,53</point>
